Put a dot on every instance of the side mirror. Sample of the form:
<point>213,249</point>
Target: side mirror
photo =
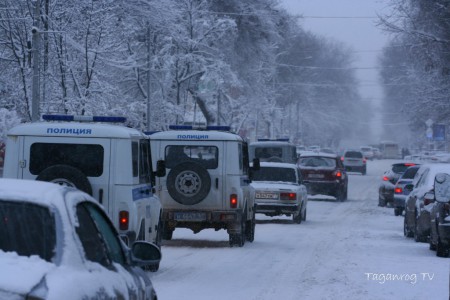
<point>160,168</point>
<point>144,254</point>
<point>256,164</point>
<point>442,187</point>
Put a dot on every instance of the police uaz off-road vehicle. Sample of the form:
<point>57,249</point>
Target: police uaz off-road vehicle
<point>206,183</point>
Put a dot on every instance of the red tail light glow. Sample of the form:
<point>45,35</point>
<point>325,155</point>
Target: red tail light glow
<point>385,178</point>
<point>233,200</point>
<point>288,196</point>
<point>398,190</point>
<point>338,174</point>
<point>364,160</point>
<point>124,218</point>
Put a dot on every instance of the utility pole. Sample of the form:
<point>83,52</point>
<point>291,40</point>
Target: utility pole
<point>35,115</point>
<point>148,77</point>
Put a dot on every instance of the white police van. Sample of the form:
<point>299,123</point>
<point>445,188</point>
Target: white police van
<point>110,162</point>
<point>207,181</point>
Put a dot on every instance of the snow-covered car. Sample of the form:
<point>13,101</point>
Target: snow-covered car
<point>389,179</point>
<point>440,216</point>
<point>417,222</point>
<point>367,152</point>
<point>400,192</point>
<point>57,242</point>
<point>324,174</point>
<point>278,190</point>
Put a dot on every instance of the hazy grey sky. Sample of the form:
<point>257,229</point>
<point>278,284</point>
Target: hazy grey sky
<point>354,23</point>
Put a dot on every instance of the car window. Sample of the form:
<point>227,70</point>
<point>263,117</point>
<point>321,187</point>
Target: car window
<point>399,168</point>
<point>353,154</point>
<point>410,173</point>
<point>94,248</point>
<point>28,229</point>
<point>316,161</point>
<point>144,159</point>
<point>275,174</point>
<point>107,232</point>
<point>207,156</point>
<point>88,158</point>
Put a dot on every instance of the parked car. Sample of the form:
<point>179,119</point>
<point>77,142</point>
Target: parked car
<point>440,216</point>
<point>324,174</point>
<point>57,242</point>
<point>367,152</point>
<point>354,161</point>
<point>389,179</point>
<point>417,222</point>
<point>400,192</point>
<point>278,190</point>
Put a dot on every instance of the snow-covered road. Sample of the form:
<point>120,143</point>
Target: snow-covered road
<point>350,250</point>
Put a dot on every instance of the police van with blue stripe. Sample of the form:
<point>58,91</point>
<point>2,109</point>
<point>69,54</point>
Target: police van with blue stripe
<point>206,183</point>
<point>111,162</point>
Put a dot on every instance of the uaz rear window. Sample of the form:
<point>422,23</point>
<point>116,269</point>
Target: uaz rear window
<point>88,158</point>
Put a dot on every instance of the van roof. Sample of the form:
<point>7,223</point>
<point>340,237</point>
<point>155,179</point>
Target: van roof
<point>195,135</point>
<point>271,143</point>
<point>74,129</point>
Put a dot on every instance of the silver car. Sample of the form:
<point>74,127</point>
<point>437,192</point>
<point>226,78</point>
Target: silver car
<point>58,243</point>
<point>354,161</point>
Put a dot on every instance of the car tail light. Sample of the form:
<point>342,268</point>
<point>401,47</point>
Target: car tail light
<point>338,174</point>
<point>364,160</point>
<point>124,219</point>
<point>410,164</point>
<point>385,178</point>
<point>288,196</point>
<point>398,190</point>
<point>342,158</point>
<point>233,200</point>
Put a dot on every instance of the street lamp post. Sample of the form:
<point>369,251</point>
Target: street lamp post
<point>35,116</point>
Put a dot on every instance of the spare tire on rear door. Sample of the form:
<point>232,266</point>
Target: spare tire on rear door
<point>66,175</point>
<point>188,183</point>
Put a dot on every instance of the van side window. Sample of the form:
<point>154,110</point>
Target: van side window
<point>245,158</point>
<point>144,170</point>
<point>88,158</point>
<point>135,158</point>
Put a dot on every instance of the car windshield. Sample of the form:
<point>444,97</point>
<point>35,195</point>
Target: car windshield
<point>410,173</point>
<point>28,229</point>
<point>275,174</point>
<point>315,161</point>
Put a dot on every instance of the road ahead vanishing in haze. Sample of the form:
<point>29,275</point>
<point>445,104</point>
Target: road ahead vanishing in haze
<point>349,250</point>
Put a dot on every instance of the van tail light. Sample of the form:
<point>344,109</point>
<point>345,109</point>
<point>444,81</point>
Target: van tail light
<point>124,219</point>
<point>233,200</point>
<point>337,174</point>
<point>288,196</point>
<point>398,190</point>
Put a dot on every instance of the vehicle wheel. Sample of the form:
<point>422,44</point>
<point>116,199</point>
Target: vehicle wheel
<point>419,238</point>
<point>406,231</point>
<point>188,183</point>
<point>304,215</point>
<point>297,217</point>
<point>441,249</point>
<point>238,239</point>
<point>67,176</point>
<point>432,246</point>
<point>250,229</point>
<point>381,201</point>
<point>167,232</point>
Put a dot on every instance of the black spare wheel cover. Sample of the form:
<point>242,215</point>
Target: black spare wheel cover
<point>188,183</point>
<point>66,175</point>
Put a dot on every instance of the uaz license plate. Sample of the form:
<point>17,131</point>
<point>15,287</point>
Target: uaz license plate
<point>190,216</point>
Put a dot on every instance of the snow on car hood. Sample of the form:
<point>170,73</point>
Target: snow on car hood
<point>19,274</point>
<point>271,185</point>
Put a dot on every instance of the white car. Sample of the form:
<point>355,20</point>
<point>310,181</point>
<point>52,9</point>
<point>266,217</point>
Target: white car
<point>278,190</point>
<point>57,242</point>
